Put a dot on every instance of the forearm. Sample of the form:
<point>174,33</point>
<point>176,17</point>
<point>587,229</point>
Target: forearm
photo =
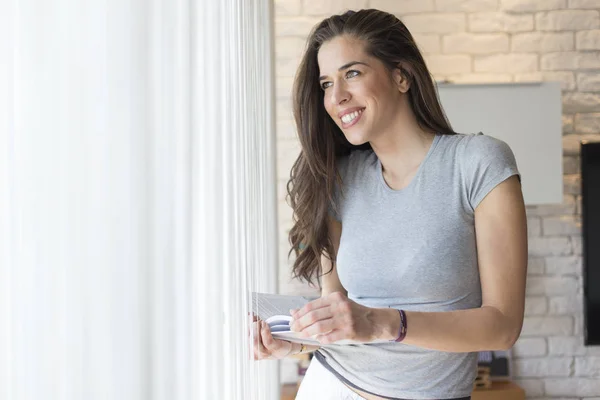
<point>477,329</point>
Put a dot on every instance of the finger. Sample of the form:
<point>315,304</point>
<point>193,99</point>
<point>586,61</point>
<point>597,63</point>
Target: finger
<point>256,334</point>
<point>255,349</point>
<point>311,318</point>
<point>261,345</point>
<point>313,305</point>
<point>257,339</point>
<point>258,354</point>
<point>332,298</point>
<point>319,328</point>
<point>271,343</point>
<point>250,322</point>
<point>252,318</point>
<point>259,350</point>
<point>268,341</point>
<point>332,337</point>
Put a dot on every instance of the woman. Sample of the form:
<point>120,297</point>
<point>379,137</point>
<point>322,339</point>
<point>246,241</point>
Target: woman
<point>421,240</point>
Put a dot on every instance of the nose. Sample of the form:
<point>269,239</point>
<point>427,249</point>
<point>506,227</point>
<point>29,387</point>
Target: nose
<point>339,94</point>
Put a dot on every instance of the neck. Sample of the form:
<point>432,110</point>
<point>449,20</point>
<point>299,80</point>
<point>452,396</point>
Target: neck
<point>402,148</point>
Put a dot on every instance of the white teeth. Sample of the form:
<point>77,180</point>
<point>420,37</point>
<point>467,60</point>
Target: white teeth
<point>350,117</point>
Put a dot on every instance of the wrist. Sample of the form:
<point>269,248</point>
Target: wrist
<point>296,348</point>
<point>387,321</point>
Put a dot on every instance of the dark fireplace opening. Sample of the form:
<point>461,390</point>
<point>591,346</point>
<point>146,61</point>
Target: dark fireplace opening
<point>590,219</point>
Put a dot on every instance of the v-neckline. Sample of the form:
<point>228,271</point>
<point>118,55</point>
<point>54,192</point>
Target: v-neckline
<point>414,178</point>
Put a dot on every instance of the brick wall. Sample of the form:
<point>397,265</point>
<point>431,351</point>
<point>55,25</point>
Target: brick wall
<point>493,41</point>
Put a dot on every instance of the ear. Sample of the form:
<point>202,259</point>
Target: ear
<point>400,76</point>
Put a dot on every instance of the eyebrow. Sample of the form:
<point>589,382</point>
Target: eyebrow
<point>345,66</point>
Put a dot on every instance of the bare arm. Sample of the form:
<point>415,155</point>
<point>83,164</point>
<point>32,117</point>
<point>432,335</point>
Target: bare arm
<point>501,234</point>
<point>330,282</point>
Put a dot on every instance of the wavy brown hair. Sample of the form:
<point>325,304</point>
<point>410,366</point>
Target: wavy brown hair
<point>310,189</point>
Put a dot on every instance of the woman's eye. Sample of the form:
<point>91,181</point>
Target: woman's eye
<point>350,74</point>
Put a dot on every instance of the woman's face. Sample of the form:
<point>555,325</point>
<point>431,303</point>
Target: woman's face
<point>359,92</point>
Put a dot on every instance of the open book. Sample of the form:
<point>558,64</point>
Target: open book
<point>274,309</point>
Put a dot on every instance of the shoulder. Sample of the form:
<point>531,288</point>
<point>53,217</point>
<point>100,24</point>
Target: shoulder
<point>477,150</point>
<point>480,145</point>
<point>487,161</point>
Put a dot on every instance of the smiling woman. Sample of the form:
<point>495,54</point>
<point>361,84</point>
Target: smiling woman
<point>416,233</point>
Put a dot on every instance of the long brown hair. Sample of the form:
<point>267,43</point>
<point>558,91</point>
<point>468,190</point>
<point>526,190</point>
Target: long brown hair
<point>314,174</point>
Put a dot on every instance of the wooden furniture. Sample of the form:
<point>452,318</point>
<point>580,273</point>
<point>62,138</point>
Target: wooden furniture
<point>482,380</point>
<point>288,391</point>
<point>500,391</point>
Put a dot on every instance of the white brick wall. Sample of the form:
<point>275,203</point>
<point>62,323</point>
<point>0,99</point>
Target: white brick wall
<point>511,63</point>
<point>588,40</point>
<point>493,41</point>
<point>436,23</point>
<point>542,42</point>
<point>482,43</point>
<point>526,6</point>
<point>403,7</point>
<point>567,20</point>
<point>466,6</point>
<point>500,22</point>
<point>326,8</point>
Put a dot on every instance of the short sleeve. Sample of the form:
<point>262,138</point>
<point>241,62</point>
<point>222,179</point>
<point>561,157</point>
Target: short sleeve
<point>336,213</point>
<point>487,163</point>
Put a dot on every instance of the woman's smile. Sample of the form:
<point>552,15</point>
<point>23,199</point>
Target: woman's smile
<point>351,119</point>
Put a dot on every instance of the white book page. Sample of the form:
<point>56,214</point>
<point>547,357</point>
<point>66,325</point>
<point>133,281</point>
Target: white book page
<point>266,305</point>
<point>274,309</point>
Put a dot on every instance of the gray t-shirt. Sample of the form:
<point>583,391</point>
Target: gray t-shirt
<point>414,249</point>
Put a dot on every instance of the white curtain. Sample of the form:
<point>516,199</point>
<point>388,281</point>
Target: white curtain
<point>137,198</point>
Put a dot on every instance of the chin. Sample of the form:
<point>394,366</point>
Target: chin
<point>356,139</point>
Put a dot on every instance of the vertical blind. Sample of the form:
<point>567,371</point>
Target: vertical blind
<point>137,198</point>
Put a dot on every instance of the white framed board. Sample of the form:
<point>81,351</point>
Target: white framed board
<point>527,116</point>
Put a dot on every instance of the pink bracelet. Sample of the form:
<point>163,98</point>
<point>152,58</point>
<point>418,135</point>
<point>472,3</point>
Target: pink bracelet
<point>403,326</point>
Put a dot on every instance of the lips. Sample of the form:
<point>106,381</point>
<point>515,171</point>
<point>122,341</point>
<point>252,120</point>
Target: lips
<point>349,110</point>
<point>350,118</point>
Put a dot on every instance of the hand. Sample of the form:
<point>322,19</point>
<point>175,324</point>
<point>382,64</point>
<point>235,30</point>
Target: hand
<point>335,317</point>
<point>265,346</point>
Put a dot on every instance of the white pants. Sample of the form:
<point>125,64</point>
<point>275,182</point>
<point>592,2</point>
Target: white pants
<point>319,383</point>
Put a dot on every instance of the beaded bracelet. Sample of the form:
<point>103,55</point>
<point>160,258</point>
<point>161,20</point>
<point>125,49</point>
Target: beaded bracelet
<point>403,327</point>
